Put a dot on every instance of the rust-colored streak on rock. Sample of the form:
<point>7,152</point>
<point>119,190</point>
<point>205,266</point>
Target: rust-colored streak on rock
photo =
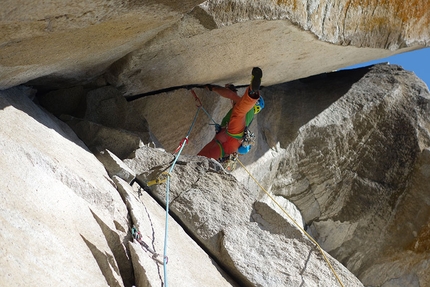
<point>388,24</point>
<point>290,3</point>
<point>404,12</point>
<point>422,243</point>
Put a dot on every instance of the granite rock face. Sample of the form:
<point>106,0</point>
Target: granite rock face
<point>187,264</point>
<point>357,172</point>
<point>145,46</point>
<point>65,222</point>
<point>101,118</point>
<point>62,221</point>
<point>350,150</point>
<point>257,245</point>
<point>346,153</point>
<point>375,24</point>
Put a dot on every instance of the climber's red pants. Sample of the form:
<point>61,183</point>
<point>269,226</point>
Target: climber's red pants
<point>223,143</point>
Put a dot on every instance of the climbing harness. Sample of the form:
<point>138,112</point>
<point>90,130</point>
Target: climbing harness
<point>295,223</point>
<point>138,237</point>
<point>248,138</point>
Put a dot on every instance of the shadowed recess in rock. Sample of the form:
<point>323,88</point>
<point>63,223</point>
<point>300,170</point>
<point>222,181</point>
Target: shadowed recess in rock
<point>117,246</point>
<point>106,263</point>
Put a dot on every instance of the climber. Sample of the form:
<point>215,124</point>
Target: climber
<point>229,138</point>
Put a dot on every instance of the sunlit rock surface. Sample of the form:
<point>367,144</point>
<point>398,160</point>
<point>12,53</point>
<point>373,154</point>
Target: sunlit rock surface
<point>141,47</point>
<point>347,153</point>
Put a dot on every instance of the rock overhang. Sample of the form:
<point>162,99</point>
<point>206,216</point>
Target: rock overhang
<point>146,47</point>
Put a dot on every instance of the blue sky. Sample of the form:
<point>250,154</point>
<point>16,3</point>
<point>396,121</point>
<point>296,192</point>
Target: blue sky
<point>417,61</point>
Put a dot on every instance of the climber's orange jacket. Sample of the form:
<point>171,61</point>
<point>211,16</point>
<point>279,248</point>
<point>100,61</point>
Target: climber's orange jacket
<point>229,139</point>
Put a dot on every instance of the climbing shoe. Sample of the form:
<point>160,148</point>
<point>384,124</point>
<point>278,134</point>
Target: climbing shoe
<point>257,74</point>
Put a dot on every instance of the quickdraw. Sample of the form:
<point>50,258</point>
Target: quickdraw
<point>183,142</point>
<point>199,103</point>
<point>161,179</point>
<point>138,237</point>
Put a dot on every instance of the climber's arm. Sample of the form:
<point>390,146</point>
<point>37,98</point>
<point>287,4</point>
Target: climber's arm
<point>226,93</point>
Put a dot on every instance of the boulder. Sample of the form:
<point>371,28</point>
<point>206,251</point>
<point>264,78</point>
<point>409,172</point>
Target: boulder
<point>106,120</point>
<point>98,137</point>
<point>115,166</point>
<point>220,212</point>
<point>63,101</point>
<point>357,170</point>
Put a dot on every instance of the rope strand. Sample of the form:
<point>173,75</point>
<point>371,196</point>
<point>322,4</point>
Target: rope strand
<point>178,153</point>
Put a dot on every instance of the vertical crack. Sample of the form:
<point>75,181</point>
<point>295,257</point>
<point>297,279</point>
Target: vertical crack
<point>347,5</point>
<point>305,267</point>
<point>153,240</point>
<point>119,251</point>
<point>324,17</point>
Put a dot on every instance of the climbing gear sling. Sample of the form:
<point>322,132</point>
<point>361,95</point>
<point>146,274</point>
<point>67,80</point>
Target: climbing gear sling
<point>138,237</point>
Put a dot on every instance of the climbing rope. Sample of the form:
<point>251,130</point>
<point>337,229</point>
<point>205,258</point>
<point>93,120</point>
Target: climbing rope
<point>178,152</point>
<point>200,105</point>
<point>295,222</point>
